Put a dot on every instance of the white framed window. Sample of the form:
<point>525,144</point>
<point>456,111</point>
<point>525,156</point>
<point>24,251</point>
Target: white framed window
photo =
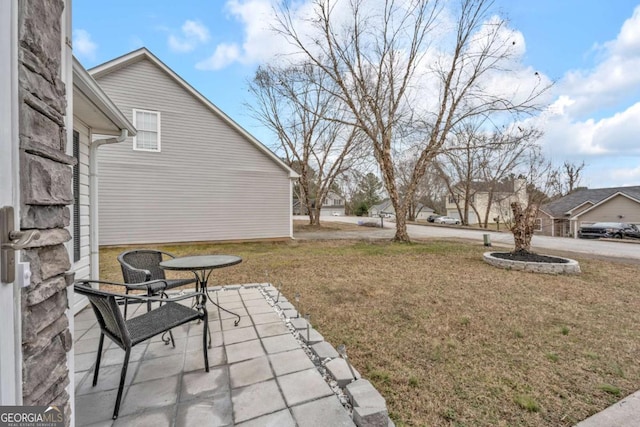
<point>538,224</point>
<point>147,123</point>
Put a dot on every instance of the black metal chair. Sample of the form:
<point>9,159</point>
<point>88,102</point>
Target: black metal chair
<point>128,333</point>
<point>141,271</point>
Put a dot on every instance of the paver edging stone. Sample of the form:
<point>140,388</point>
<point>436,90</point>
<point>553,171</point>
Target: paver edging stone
<point>369,414</point>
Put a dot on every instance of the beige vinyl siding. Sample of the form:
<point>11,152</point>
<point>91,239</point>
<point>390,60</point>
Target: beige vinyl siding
<point>208,182</point>
<point>612,210</point>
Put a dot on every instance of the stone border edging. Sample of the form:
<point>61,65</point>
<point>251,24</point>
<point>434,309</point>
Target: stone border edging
<point>364,403</point>
<point>570,267</point>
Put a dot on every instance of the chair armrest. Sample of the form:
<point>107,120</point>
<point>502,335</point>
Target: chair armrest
<point>147,273</point>
<point>100,282</point>
<point>160,299</point>
<point>141,297</point>
<point>143,286</point>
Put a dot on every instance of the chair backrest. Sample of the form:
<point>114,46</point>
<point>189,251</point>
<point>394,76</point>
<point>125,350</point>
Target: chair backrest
<point>107,312</point>
<point>133,261</point>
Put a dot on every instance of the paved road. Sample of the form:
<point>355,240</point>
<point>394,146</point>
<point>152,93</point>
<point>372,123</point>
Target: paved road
<point>539,243</point>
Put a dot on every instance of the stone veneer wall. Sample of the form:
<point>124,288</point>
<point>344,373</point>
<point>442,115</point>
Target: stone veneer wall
<point>45,187</point>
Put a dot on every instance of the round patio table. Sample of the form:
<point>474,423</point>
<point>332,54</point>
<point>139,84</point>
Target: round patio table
<point>202,266</point>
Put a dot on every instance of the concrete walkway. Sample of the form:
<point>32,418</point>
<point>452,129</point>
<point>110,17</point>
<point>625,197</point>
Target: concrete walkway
<point>260,374</point>
<point>625,413</point>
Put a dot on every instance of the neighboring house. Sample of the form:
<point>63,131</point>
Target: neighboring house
<point>93,113</point>
<point>501,195</point>
<point>191,173</point>
<point>333,205</point>
<point>565,216</point>
<point>385,208</point>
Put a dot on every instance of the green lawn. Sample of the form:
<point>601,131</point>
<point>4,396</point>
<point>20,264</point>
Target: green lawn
<point>450,340</point>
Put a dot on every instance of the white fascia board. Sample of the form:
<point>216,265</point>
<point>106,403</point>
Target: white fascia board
<point>83,81</point>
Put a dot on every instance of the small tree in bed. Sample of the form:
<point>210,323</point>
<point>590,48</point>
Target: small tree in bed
<point>537,179</point>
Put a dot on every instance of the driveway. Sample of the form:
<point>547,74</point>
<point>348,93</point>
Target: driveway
<point>539,243</point>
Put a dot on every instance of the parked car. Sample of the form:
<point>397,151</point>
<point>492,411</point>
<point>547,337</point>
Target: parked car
<point>335,213</point>
<point>446,220</point>
<point>615,230</point>
<point>433,217</point>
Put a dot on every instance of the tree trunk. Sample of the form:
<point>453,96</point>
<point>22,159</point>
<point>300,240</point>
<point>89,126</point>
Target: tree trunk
<point>523,225</point>
<point>401,228</point>
<point>316,218</point>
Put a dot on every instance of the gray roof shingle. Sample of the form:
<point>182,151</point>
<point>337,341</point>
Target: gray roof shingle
<point>558,208</point>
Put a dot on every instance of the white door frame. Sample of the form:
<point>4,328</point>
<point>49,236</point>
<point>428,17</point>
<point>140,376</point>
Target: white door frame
<point>10,314</point>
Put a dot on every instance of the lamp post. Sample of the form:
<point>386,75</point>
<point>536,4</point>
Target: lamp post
<point>279,292</point>
<point>307,317</point>
<point>342,350</point>
<point>296,296</point>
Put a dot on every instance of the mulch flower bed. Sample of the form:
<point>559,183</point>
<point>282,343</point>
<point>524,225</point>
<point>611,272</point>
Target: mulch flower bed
<point>527,256</point>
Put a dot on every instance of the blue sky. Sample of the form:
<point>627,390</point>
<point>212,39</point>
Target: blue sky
<point>590,48</point>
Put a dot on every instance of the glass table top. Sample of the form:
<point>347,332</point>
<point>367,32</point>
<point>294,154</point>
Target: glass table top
<point>200,262</point>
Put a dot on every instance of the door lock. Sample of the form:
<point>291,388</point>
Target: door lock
<point>11,241</point>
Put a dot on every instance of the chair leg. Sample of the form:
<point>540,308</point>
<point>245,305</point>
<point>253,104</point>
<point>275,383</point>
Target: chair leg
<point>170,340</point>
<point>173,343</point>
<point>123,376</point>
<point>204,341</point>
<point>126,304</point>
<point>97,368</point>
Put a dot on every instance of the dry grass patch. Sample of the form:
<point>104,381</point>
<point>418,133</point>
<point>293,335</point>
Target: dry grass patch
<point>451,340</point>
<point>302,226</point>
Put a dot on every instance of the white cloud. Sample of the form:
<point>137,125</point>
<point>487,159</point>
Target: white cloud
<point>195,30</point>
<point>628,176</point>
<point>224,55</point>
<point>192,33</point>
<point>259,42</point>
<point>615,78</point>
<point>596,113</point>
<point>83,46</point>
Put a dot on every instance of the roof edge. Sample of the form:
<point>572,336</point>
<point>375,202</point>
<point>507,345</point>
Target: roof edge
<point>143,53</point>
<point>86,84</point>
<point>617,193</point>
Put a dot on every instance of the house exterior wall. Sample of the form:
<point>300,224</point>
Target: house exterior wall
<point>617,209</point>
<point>584,207</point>
<point>500,206</point>
<point>45,187</point>
<point>388,210</point>
<point>333,204</point>
<point>480,201</point>
<point>546,224</point>
<point>423,215</point>
<point>208,182</point>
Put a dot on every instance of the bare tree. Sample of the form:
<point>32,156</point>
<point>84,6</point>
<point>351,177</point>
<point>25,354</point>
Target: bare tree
<point>380,56</point>
<point>566,178</point>
<point>478,167</point>
<point>506,151</point>
<point>295,104</point>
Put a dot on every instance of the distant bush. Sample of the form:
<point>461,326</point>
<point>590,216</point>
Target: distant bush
<point>362,209</point>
